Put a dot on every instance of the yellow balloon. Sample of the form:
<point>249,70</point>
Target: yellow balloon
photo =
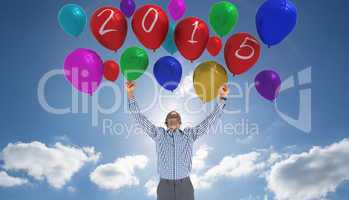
<point>208,78</point>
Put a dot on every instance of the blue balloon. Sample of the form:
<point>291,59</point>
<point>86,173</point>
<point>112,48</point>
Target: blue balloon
<point>168,72</point>
<point>72,19</point>
<point>169,44</point>
<point>275,19</point>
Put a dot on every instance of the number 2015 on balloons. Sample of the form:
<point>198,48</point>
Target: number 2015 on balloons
<point>241,52</point>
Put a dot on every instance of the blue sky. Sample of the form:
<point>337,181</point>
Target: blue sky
<point>228,166</point>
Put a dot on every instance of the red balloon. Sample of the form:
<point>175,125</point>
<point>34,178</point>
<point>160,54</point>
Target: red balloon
<point>241,52</point>
<point>150,24</point>
<point>191,36</point>
<point>214,45</point>
<point>109,27</point>
<point>111,70</point>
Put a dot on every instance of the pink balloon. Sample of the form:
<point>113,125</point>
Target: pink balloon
<point>176,8</point>
<point>83,68</point>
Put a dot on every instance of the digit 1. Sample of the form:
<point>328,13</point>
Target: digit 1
<point>196,26</point>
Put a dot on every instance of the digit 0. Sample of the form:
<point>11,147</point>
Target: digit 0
<point>150,29</point>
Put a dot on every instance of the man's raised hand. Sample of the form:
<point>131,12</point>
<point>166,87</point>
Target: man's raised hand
<point>224,91</point>
<point>130,86</point>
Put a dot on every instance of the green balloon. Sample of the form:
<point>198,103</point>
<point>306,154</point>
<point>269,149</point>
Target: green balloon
<point>223,17</point>
<point>134,61</point>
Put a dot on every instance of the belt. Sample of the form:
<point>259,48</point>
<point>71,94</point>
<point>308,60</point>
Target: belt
<point>175,181</point>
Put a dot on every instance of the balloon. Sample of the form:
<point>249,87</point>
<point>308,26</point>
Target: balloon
<point>268,83</point>
<point>223,17</point>
<point>72,19</point>
<point>127,7</point>
<point>241,52</point>
<point>275,20</point>
<point>168,72</point>
<point>214,45</point>
<point>109,27</point>
<point>208,78</point>
<point>134,61</point>
<point>83,68</point>
<point>111,70</point>
<point>191,36</point>
<point>176,8</point>
<point>150,24</point>
<point>169,44</point>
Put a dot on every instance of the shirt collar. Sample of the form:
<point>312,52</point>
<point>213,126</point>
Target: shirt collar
<point>173,131</point>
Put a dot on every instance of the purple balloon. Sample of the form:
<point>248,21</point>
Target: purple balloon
<point>128,7</point>
<point>83,68</point>
<point>176,8</point>
<point>268,83</point>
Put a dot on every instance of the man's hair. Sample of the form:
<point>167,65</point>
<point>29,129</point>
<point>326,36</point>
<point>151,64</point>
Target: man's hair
<point>173,114</point>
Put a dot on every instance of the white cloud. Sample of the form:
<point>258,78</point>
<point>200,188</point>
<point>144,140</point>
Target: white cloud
<point>186,86</point>
<point>274,157</point>
<point>236,166</point>
<point>9,181</point>
<point>151,187</point>
<point>310,175</point>
<point>91,154</point>
<point>56,164</point>
<point>199,158</point>
<point>199,164</point>
<point>121,173</point>
<point>199,182</point>
<point>231,167</point>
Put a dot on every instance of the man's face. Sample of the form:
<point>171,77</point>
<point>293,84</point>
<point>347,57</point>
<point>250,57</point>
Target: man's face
<point>173,120</point>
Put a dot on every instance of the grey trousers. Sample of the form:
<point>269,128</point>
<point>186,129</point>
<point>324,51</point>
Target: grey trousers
<point>175,189</point>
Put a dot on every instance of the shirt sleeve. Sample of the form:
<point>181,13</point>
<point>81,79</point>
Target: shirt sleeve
<point>205,126</point>
<point>149,128</point>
